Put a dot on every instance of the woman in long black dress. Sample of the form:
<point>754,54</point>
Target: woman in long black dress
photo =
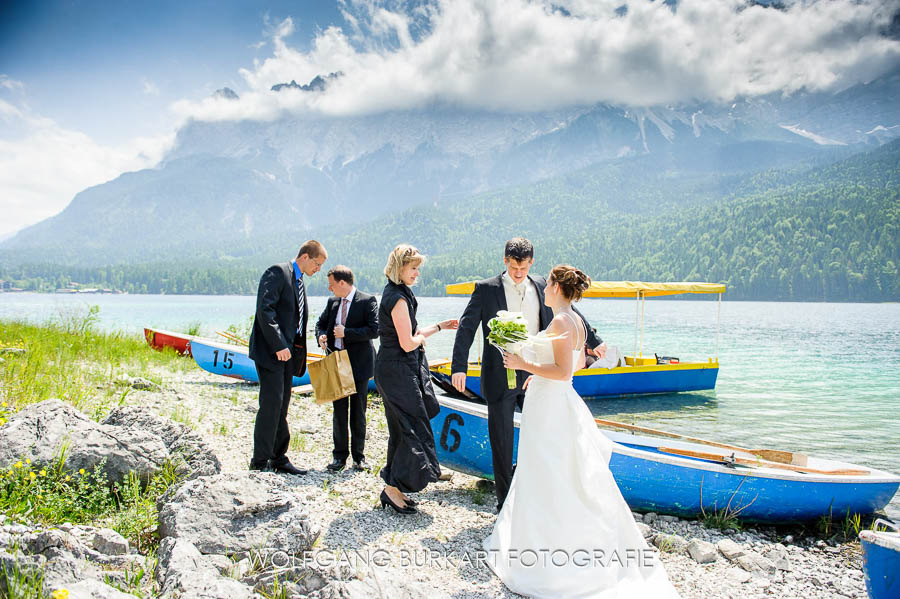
<point>403,381</point>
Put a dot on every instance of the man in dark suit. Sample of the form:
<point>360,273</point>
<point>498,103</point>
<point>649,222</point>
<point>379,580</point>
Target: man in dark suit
<point>517,291</point>
<point>278,348</point>
<point>350,321</point>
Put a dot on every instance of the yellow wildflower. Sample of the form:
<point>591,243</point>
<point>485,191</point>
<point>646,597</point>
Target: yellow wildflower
<point>32,475</point>
<point>43,472</point>
<point>27,460</point>
<point>68,478</point>
<point>4,404</point>
<point>60,594</point>
<point>18,464</point>
<point>81,471</point>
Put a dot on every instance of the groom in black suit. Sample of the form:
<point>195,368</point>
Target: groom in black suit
<point>278,349</point>
<point>517,291</point>
<point>350,321</point>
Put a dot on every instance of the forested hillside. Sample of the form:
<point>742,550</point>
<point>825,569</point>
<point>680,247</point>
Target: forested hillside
<point>826,233</point>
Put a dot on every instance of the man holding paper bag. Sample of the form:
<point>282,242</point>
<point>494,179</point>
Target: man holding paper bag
<point>350,321</point>
<point>515,291</point>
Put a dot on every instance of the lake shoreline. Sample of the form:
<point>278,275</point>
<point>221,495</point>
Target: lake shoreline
<point>456,515</point>
<point>725,297</point>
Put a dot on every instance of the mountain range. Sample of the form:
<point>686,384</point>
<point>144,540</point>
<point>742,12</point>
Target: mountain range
<point>245,192</point>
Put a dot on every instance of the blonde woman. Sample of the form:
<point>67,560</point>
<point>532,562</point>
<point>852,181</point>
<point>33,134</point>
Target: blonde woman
<point>403,381</point>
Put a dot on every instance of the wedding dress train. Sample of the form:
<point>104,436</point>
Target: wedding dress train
<point>564,530</point>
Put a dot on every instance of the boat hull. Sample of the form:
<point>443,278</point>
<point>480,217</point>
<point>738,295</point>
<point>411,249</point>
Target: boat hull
<point>159,339</point>
<point>616,382</point>
<point>231,361</point>
<point>881,563</point>
<point>663,483</point>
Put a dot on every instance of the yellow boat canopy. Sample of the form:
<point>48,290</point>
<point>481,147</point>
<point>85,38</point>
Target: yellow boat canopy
<point>621,288</point>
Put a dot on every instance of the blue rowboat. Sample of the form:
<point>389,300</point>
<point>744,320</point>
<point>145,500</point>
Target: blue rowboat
<point>653,479</point>
<point>641,375</point>
<point>881,560</point>
<point>625,380</point>
<point>231,361</point>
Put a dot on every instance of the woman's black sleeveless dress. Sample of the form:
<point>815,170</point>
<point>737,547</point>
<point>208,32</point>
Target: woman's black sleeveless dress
<point>404,383</point>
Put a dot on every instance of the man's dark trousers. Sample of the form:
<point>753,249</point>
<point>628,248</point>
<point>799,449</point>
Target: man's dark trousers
<point>501,433</point>
<point>351,408</point>
<point>274,400</point>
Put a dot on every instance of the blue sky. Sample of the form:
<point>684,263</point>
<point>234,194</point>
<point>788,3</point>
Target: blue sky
<point>113,67</point>
<point>91,89</point>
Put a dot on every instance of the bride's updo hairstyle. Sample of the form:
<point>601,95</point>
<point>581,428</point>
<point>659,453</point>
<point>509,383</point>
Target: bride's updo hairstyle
<point>572,282</point>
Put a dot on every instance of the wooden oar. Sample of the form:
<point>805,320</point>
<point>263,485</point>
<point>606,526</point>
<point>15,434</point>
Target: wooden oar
<point>731,459</point>
<point>773,455</point>
<point>234,338</point>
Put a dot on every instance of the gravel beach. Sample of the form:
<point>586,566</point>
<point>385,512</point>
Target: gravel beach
<point>436,550</point>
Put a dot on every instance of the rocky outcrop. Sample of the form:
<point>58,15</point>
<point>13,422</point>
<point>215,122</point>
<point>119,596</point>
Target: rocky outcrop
<point>236,513</point>
<point>41,431</point>
<point>193,456</point>
<point>83,560</point>
<point>229,535</point>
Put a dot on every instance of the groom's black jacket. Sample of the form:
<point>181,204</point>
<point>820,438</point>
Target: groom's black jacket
<point>487,299</point>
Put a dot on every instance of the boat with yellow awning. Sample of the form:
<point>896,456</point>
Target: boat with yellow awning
<point>641,375</point>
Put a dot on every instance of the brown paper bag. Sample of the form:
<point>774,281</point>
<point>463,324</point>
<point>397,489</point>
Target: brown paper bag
<point>332,377</point>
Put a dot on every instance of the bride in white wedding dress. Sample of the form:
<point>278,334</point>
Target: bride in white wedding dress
<point>564,530</point>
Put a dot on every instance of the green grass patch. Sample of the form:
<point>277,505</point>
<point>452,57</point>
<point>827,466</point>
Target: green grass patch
<point>53,495</point>
<point>69,359</point>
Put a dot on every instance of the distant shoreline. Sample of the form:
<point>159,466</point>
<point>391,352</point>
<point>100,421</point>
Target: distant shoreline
<point>681,298</point>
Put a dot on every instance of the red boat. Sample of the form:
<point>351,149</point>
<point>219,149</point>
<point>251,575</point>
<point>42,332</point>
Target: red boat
<point>159,339</point>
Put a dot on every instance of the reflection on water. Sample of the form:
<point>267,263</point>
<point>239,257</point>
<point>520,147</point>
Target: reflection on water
<point>660,407</point>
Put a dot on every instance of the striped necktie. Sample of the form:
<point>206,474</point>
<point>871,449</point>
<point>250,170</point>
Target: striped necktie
<point>339,343</point>
<point>301,301</point>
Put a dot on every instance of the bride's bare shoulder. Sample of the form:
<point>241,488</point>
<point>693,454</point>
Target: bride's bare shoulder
<point>561,324</point>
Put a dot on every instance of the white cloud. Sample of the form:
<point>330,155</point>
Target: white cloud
<point>525,55</point>
<point>10,84</point>
<point>149,88</point>
<point>42,165</point>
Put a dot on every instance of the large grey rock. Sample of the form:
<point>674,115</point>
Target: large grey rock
<point>94,589</point>
<point>25,565</point>
<point>109,542</point>
<point>729,549</point>
<point>184,573</point>
<point>38,431</point>
<point>737,575</point>
<point>702,552</point>
<point>754,562</point>
<point>237,513</point>
<point>63,569</point>
<point>669,543</point>
<point>196,457</point>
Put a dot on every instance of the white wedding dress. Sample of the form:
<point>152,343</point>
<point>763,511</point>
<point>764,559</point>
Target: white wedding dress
<point>564,530</point>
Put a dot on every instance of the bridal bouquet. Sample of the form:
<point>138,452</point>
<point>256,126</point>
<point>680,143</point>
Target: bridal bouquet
<point>509,333</point>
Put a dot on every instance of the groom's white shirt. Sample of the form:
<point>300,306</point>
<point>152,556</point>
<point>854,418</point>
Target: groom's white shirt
<point>523,298</point>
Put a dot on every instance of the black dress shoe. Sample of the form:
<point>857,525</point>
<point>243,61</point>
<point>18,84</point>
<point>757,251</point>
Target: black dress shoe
<point>361,465</point>
<point>336,465</point>
<point>261,468</point>
<point>287,468</point>
<point>385,501</point>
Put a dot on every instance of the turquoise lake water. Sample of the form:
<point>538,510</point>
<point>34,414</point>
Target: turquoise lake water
<point>823,379</point>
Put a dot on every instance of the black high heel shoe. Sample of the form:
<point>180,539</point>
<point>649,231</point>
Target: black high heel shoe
<point>410,502</point>
<point>385,500</point>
